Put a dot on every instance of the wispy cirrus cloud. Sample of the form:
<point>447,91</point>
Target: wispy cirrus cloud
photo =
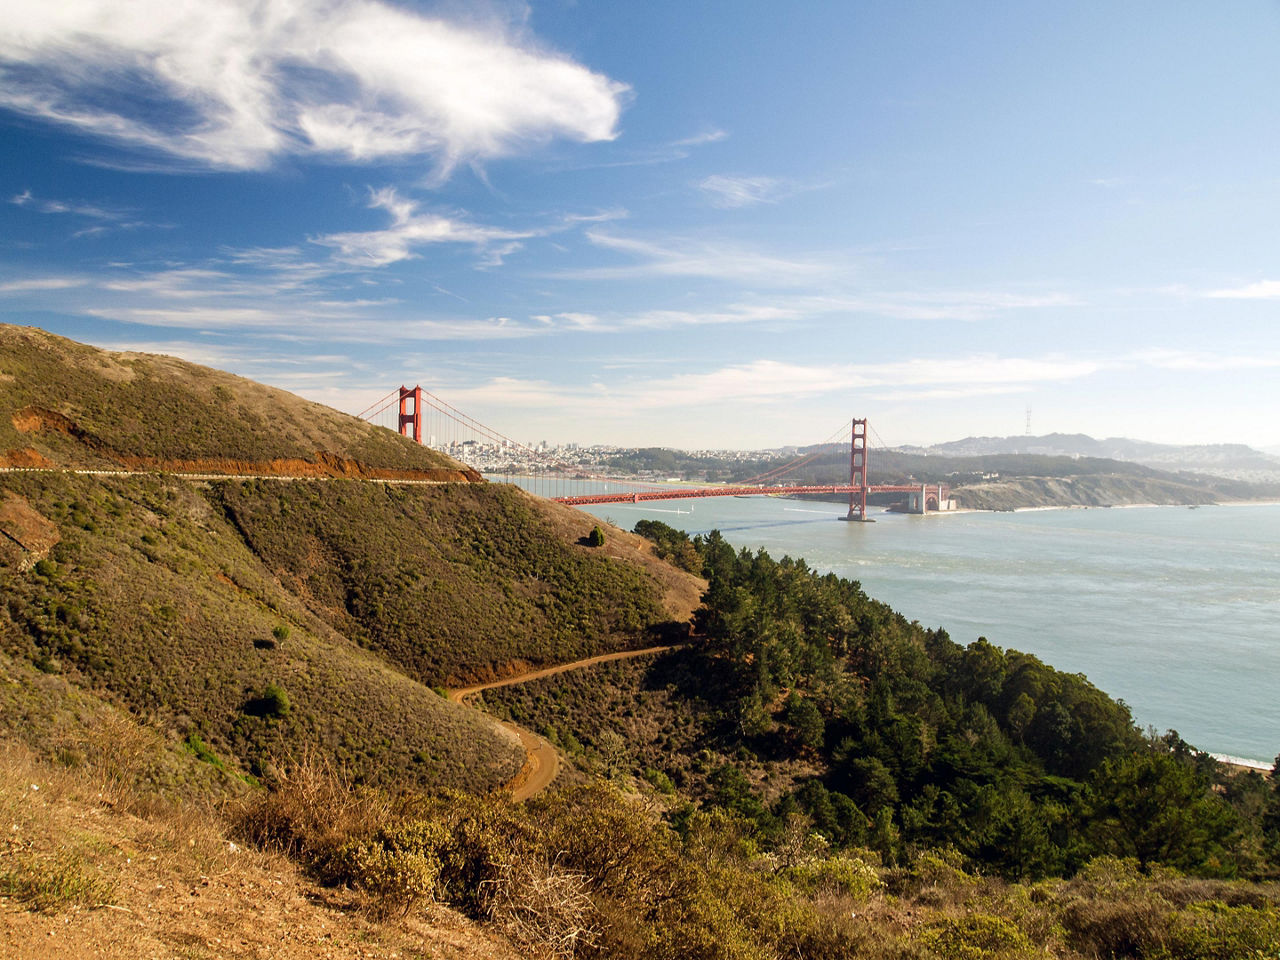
<point>769,382</point>
<point>42,284</point>
<point>239,85</point>
<point>1207,361</point>
<point>93,211</point>
<point>685,257</point>
<point>106,218</point>
<point>410,229</point>
<point>958,305</point>
<point>712,135</point>
<point>731,192</point>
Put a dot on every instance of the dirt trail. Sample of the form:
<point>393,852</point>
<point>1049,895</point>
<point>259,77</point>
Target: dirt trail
<point>542,762</point>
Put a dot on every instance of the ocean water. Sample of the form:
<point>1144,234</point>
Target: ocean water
<point>1174,610</point>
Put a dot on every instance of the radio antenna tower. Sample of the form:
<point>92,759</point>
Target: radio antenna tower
<point>1028,428</point>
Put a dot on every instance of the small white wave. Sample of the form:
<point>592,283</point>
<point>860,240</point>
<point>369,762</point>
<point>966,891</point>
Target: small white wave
<point>1241,761</point>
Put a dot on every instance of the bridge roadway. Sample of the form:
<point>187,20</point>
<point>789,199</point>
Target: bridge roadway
<point>684,493</point>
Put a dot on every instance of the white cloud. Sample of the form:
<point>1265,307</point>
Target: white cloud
<point>409,229</point>
<point>45,284</point>
<point>239,84</point>
<point>971,305</point>
<point>680,257</point>
<point>733,192</point>
<point>714,135</point>
<point>768,382</point>
<point>1262,290</point>
<point>108,219</point>
<point>1207,362</point>
<point>93,211</point>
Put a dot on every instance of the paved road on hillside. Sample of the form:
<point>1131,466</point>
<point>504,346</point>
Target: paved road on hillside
<point>224,476</point>
<point>542,762</point>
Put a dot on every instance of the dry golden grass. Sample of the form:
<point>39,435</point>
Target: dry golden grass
<point>115,873</point>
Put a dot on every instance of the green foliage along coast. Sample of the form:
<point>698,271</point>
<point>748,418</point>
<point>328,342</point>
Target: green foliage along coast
<point>806,697</point>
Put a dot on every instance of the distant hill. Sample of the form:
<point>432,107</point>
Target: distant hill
<point>984,481</point>
<point>1233,460</point>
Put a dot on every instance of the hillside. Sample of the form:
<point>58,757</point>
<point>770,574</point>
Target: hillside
<point>224,729</point>
<point>1233,460</point>
<point>257,617</point>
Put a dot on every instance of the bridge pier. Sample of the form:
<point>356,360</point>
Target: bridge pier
<point>920,502</point>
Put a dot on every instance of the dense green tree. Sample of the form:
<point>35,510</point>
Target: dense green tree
<point>804,721</point>
<point>1151,806</point>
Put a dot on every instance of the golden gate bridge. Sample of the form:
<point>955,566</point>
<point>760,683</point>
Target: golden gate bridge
<point>418,413</point>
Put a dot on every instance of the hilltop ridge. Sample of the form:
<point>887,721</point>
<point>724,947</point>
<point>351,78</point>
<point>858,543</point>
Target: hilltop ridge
<point>70,405</point>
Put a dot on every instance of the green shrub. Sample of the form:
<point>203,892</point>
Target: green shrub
<point>277,701</point>
<point>978,936</point>
<point>397,867</point>
<point>273,702</point>
<point>51,884</point>
<point>1216,931</point>
<point>851,876</point>
<point>281,632</point>
<point>661,782</point>
<point>596,539</point>
<point>197,747</point>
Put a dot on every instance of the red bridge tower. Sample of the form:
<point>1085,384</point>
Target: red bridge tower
<point>413,417</point>
<point>858,471</point>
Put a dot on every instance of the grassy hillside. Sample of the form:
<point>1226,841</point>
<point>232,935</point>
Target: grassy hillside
<point>75,405</point>
<point>154,601</point>
<point>818,777</point>
<point>453,583</point>
<point>253,619</point>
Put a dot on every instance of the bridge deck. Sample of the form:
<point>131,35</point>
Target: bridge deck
<point>688,493</point>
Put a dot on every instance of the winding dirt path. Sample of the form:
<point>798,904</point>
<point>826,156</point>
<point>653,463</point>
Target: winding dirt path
<point>542,762</point>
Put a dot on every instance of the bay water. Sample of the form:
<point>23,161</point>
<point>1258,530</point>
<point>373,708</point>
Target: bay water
<point>1174,610</point>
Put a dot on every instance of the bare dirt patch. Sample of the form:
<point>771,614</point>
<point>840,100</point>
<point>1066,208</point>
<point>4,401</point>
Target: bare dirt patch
<point>26,537</point>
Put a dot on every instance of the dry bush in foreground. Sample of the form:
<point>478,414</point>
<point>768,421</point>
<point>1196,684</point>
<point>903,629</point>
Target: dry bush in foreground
<point>311,812</point>
<point>544,908</point>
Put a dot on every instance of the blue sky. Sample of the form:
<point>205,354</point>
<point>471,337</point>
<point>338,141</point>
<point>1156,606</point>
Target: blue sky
<point>714,224</point>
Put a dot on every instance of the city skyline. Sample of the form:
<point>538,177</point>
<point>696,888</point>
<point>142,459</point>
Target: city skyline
<point>729,226</point>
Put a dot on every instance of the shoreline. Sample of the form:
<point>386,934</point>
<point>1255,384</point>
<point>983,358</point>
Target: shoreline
<point>1243,764</point>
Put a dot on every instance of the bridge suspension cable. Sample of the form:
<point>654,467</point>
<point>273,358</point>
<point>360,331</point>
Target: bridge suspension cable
<point>563,475</point>
<point>825,447</point>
